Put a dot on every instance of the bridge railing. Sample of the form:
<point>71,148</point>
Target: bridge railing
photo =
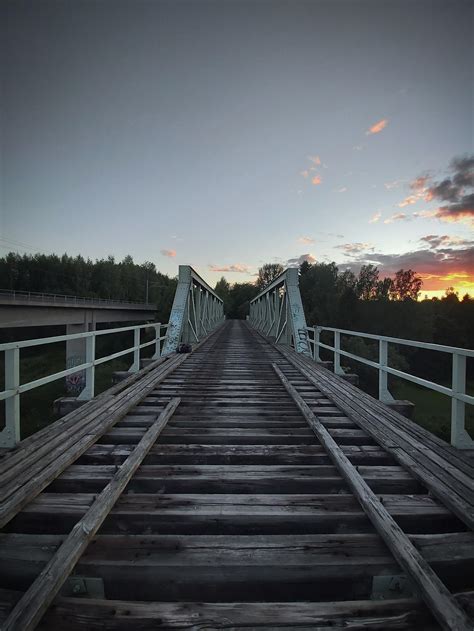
<point>60,299</point>
<point>10,435</point>
<point>196,310</point>
<point>457,392</point>
<point>277,312</point>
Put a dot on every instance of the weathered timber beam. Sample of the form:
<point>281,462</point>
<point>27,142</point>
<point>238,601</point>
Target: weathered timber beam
<point>31,607</point>
<point>438,598</point>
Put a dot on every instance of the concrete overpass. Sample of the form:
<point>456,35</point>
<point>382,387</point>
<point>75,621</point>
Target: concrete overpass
<point>77,314</point>
<point>21,309</point>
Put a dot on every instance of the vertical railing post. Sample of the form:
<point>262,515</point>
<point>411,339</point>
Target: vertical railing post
<point>384,393</point>
<point>337,356</point>
<point>135,367</point>
<point>88,391</point>
<point>459,437</point>
<point>317,339</point>
<point>157,353</point>
<point>10,436</point>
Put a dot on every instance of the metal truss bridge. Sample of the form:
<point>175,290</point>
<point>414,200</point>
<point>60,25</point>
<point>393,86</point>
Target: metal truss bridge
<point>238,483</point>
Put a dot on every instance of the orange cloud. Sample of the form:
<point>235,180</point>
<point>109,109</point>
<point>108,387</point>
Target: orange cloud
<point>396,217</point>
<point>316,180</point>
<point>236,267</point>
<point>315,159</point>
<point>306,240</point>
<point>375,217</point>
<point>304,173</point>
<point>439,267</point>
<point>170,253</point>
<point>411,199</point>
<point>377,127</point>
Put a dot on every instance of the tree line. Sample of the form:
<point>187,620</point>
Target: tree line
<point>77,276</point>
<point>331,297</point>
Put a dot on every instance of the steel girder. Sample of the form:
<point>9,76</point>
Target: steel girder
<point>277,312</point>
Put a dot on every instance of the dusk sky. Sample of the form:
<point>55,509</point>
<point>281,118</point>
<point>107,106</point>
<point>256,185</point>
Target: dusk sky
<point>229,134</point>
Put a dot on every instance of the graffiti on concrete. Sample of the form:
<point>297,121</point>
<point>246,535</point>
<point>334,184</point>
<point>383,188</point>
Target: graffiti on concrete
<point>76,382</point>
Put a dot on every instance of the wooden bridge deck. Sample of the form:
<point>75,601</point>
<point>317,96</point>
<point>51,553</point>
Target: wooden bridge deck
<point>236,517</point>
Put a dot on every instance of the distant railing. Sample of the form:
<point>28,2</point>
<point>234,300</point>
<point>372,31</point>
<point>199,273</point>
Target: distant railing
<point>457,392</point>
<point>10,435</point>
<point>31,296</point>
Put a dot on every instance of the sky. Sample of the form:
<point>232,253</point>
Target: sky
<point>229,134</point>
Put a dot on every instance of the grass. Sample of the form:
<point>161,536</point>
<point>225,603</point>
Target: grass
<point>432,409</point>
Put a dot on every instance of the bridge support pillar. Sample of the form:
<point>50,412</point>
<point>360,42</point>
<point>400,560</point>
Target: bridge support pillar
<point>76,353</point>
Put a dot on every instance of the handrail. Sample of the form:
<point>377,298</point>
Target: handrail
<point>31,296</point>
<point>10,435</point>
<point>459,436</point>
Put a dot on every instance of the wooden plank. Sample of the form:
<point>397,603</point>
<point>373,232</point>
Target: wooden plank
<point>236,478</point>
<point>440,476</point>
<point>34,480</point>
<point>85,423</point>
<point>206,567</point>
<point>31,607</point>
<point>235,454</point>
<point>233,513</point>
<point>78,614</point>
<point>434,592</point>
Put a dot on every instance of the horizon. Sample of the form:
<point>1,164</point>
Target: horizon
<point>226,136</point>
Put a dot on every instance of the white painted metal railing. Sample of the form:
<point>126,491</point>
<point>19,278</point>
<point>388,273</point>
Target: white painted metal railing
<point>457,392</point>
<point>10,435</point>
<point>278,312</point>
<point>196,310</point>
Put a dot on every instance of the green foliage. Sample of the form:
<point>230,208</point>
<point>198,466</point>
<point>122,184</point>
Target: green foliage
<point>223,290</point>
<point>267,273</point>
<point>238,302</point>
<point>76,276</point>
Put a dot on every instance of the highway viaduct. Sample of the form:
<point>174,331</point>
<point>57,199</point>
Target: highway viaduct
<point>77,314</point>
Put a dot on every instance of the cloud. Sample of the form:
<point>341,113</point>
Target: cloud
<point>352,249</point>
<point>397,217</point>
<point>306,240</point>
<point>170,253</point>
<point>436,241</point>
<point>377,127</point>
<point>304,173</point>
<point>420,183</point>
<point>460,211</point>
<point>316,180</point>
<point>411,199</point>
<point>438,268</point>
<point>296,262</point>
<point>454,193</point>
<point>236,267</point>
<point>342,190</point>
<point>375,217</point>
<point>394,184</point>
<point>315,160</point>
